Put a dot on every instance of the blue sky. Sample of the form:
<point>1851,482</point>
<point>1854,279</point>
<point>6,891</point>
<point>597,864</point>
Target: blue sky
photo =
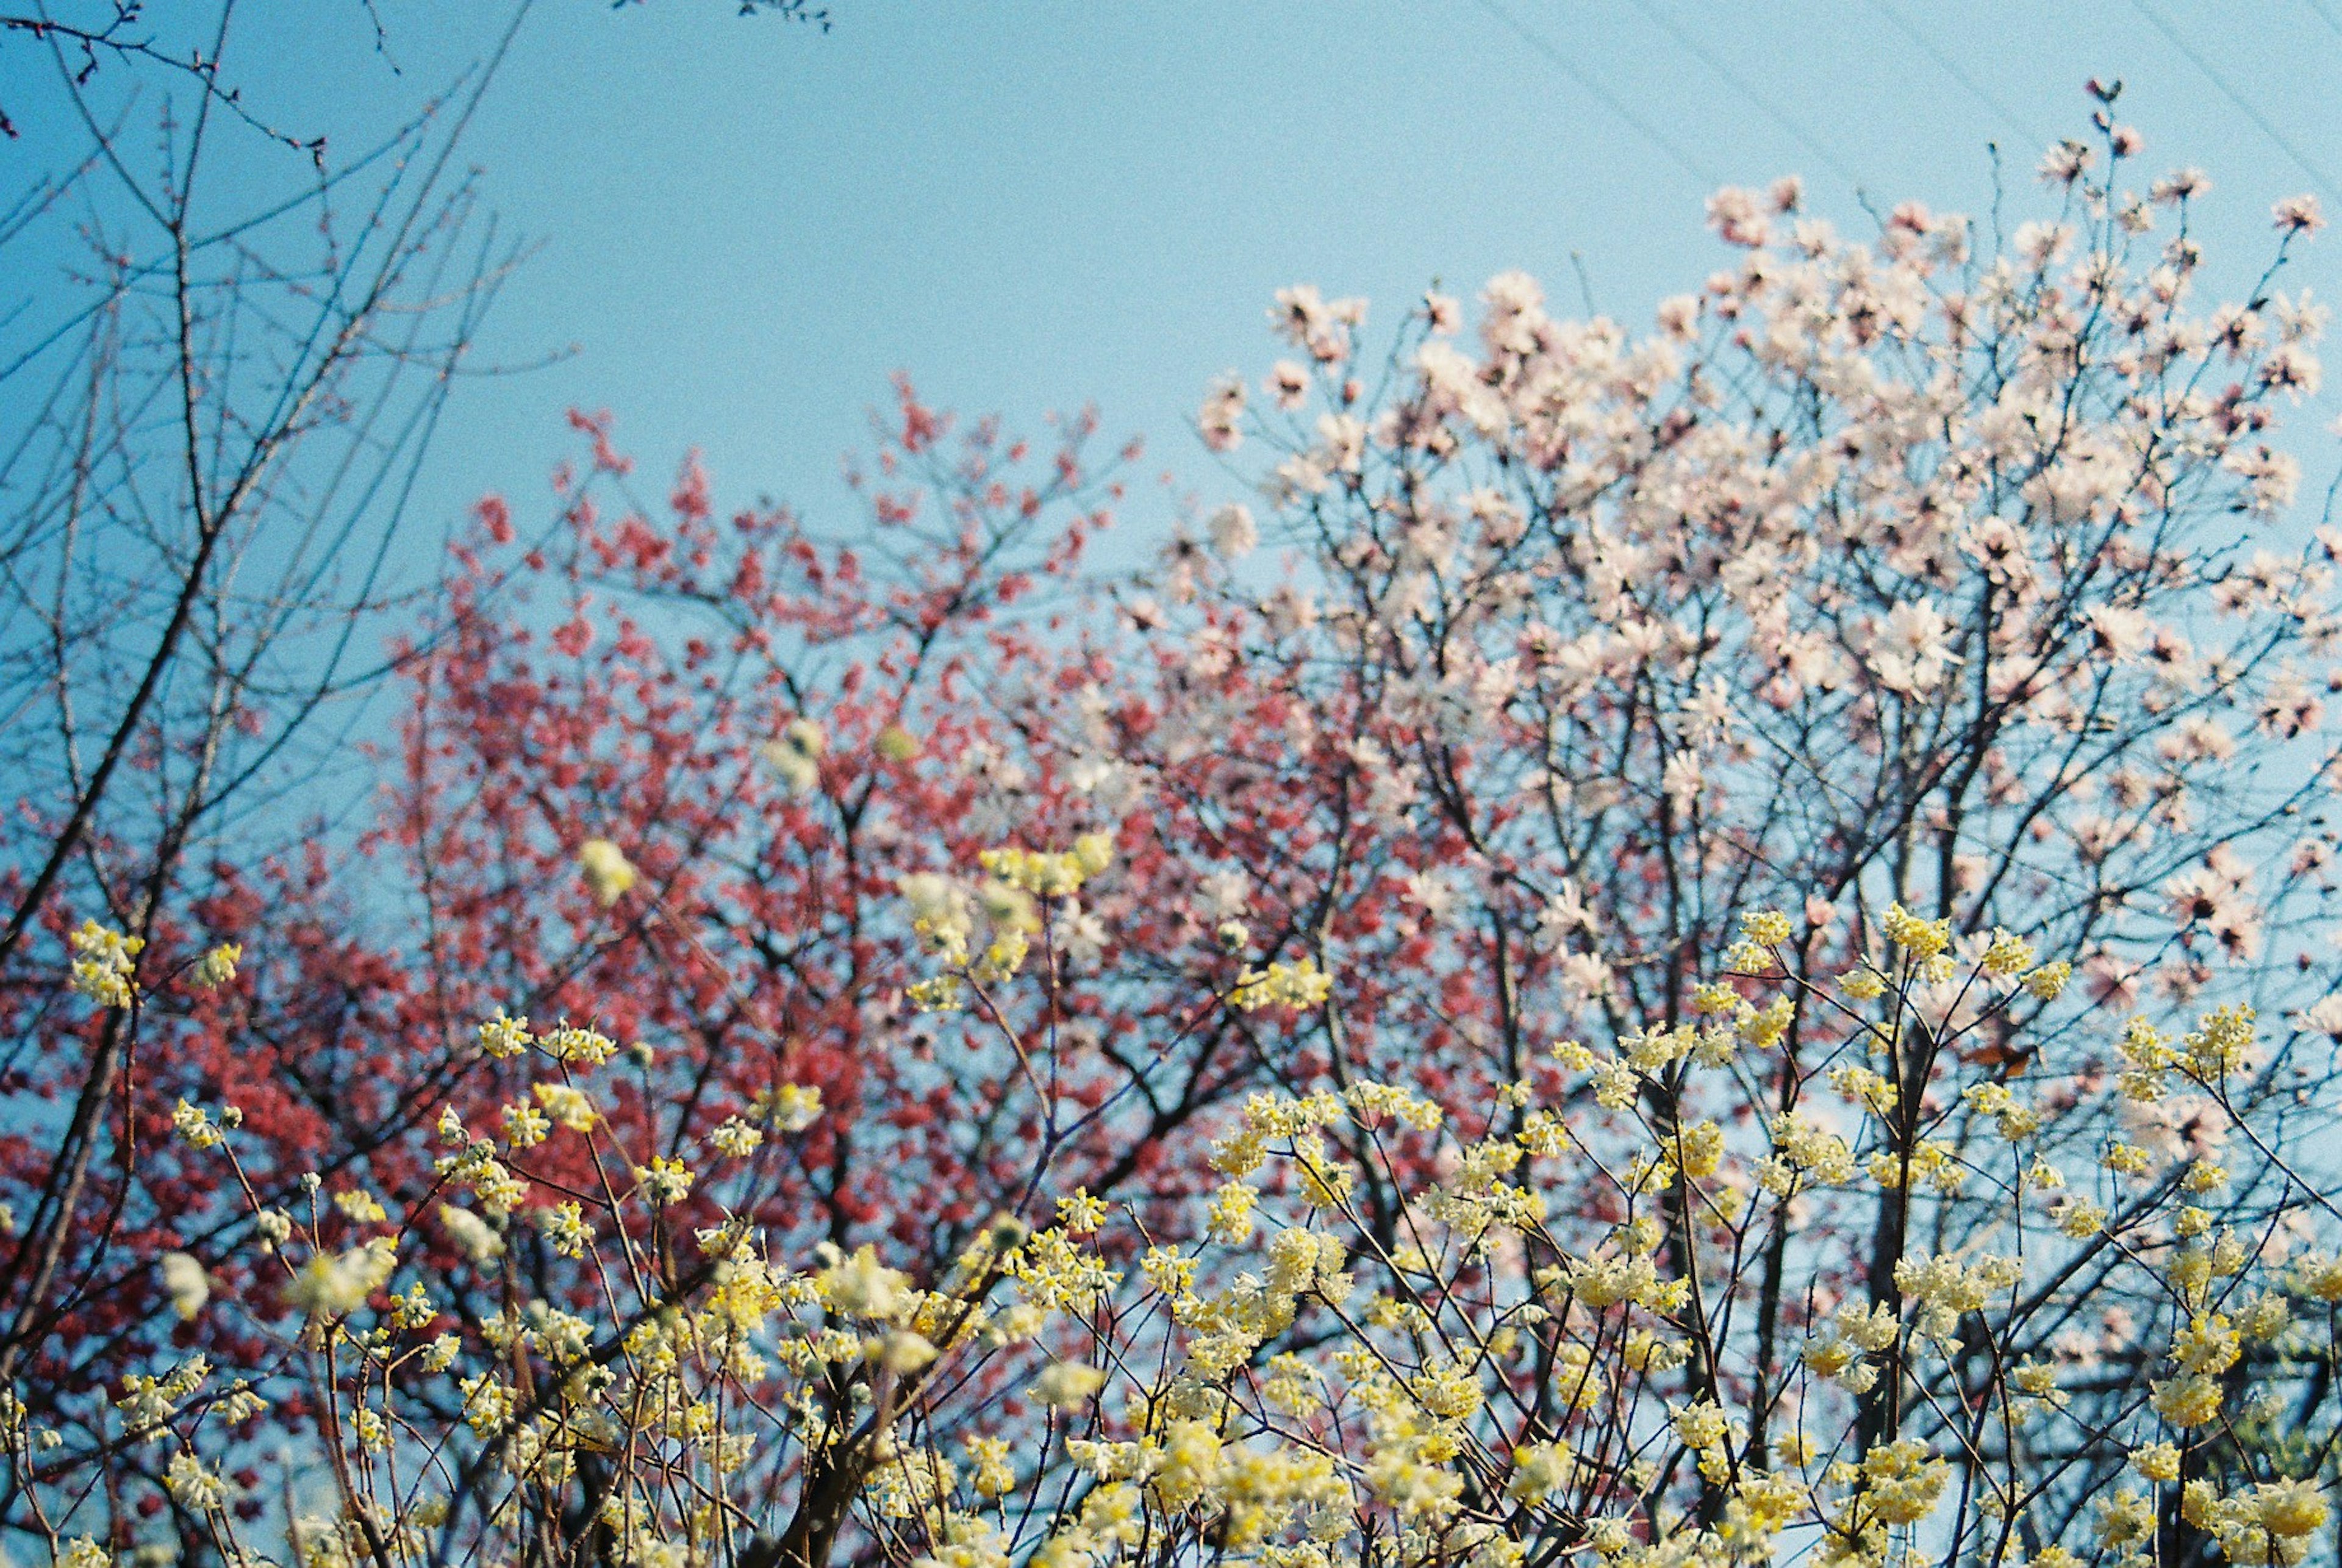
<point>747,225</point>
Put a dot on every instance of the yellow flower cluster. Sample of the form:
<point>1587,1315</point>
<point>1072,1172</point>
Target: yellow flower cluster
<point>795,755</point>
<point>1046,875</point>
<point>1478,1332</point>
<point>1022,893</point>
<point>217,966</point>
<point>104,964</point>
<point>607,872</point>
<point>2271,1523</point>
<point>1297,986</point>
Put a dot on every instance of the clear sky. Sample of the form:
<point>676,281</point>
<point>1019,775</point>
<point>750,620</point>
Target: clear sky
<point>746,225</point>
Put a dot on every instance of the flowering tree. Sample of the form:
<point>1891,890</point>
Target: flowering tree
<point>1877,577</point>
<point>213,400</point>
<point>1731,960</point>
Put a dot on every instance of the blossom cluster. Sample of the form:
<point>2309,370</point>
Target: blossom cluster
<point>1354,1353</point>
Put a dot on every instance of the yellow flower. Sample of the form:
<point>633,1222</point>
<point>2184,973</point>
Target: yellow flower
<point>192,1486</point>
<point>360,1206</point>
<point>2187,1401</point>
<point>2208,1345</point>
<point>1301,985</point>
<point>195,1125</point>
<point>524,1125</point>
<point>2006,954</point>
<point>992,1474</point>
<point>861,1286</point>
<point>2039,1379</point>
<point>2124,1518</point>
<point>1863,984</point>
<point>1699,1149</point>
<point>2265,1316</point>
<point>478,1238</point>
<point>218,967</point>
<point>1905,1480</point>
<point>789,1108</point>
<point>795,754</point>
<point>103,964</point>
<point>1066,1384</point>
<point>1093,852</point>
<point>2284,1508</point>
<point>1922,939</point>
<point>900,1352</point>
<point>1080,1214</point>
<point>565,1226</point>
<point>334,1286</point>
<point>1573,1055</point>
<point>2046,982</point>
<point>1701,1426</point>
<point>2319,1277</point>
<point>1540,1470</point>
<point>2222,1043</point>
<point>1230,1221</point>
<point>736,1139</point>
<point>188,1285</point>
<point>666,1181</point>
<point>566,1104</point>
<point>608,872</point>
<point>502,1038</point>
<point>2078,1218</point>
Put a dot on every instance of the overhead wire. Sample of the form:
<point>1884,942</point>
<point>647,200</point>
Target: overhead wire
<point>1725,74</point>
<point>1594,88</point>
<point>2325,16</point>
<point>1951,67</point>
<point>2325,182</point>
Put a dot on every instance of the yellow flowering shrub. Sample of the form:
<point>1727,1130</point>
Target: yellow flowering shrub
<point>1391,1329</point>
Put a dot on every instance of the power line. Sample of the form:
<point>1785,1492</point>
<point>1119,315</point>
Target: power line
<point>2325,181</point>
<point>1609,100</point>
<point>1665,24</point>
<point>1951,69</point>
<point>2325,16</point>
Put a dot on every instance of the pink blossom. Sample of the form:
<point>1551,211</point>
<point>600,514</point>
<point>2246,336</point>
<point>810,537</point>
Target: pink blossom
<point>2298,216</point>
